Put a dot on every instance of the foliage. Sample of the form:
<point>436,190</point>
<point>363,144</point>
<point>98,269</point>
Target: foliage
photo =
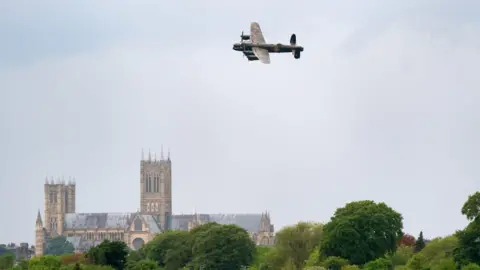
<point>471,208</point>
<point>407,240</point>
<point>72,258</point>
<point>468,250</point>
<point>378,264</point>
<point>334,263</point>
<point>471,266</point>
<point>444,264</point>
<point>222,247</point>
<point>299,241</point>
<point>362,231</point>
<point>420,243</point>
<point>314,258</point>
<point>7,260</point>
<point>401,256</point>
<point>46,262</point>
<point>146,265</point>
<point>350,267</point>
<point>58,246</point>
<point>171,249</point>
<point>109,253</point>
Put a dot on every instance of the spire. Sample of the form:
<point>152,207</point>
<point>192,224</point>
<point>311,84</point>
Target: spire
<point>149,155</point>
<point>155,156</point>
<point>168,154</point>
<point>161,152</point>
<point>39,219</point>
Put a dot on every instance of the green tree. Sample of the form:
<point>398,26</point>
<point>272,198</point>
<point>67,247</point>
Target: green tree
<point>401,256</point>
<point>420,243</point>
<point>444,264</point>
<point>109,253</point>
<point>47,262</point>
<point>7,260</point>
<point>171,250</point>
<point>418,262</point>
<point>471,208</point>
<point>362,231</point>
<point>222,247</point>
<point>378,264</point>
<point>437,250</point>
<point>334,263</point>
<point>468,250</point>
<point>135,256</point>
<point>471,266</point>
<point>146,265</point>
<point>58,246</point>
<point>298,242</point>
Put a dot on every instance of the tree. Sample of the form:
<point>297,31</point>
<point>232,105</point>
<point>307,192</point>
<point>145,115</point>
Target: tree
<point>471,266</point>
<point>49,262</point>
<point>362,231</point>
<point>401,256</point>
<point>407,240</point>
<point>420,243</point>
<point>59,246</point>
<point>334,263</point>
<point>171,249</point>
<point>222,247</point>
<point>298,242</point>
<point>468,250</point>
<point>146,265</point>
<point>378,264</point>
<point>7,260</point>
<point>109,253</point>
<point>471,208</point>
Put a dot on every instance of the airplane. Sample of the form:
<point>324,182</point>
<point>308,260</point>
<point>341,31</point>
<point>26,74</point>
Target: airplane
<point>255,48</point>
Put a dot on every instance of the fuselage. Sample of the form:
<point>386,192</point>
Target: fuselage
<point>272,48</point>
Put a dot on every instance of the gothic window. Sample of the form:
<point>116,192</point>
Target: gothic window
<point>162,175</point>
<point>149,183</point>
<point>137,225</point>
<point>155,183</point>
<point>148,207</point>
<point>156,207</point>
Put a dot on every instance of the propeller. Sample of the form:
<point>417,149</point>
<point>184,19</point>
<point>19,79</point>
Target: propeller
<point>241,37</point>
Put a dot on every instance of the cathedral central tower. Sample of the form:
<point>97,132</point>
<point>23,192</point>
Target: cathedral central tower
<point>156,188</point>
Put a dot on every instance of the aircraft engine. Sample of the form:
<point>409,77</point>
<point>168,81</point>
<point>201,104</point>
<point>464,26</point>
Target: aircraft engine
<point>293,40</point>
<point>296,54</point>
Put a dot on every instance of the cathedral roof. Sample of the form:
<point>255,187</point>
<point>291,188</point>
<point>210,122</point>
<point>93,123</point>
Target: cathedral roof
<point>250,222</point>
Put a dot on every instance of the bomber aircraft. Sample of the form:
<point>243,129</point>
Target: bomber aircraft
<point>255,48</point>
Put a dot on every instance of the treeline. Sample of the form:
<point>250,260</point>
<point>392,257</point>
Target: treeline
<point>360,235</point>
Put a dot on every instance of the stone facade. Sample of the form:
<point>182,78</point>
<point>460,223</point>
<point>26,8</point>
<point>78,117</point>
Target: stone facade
<point>85,230</point>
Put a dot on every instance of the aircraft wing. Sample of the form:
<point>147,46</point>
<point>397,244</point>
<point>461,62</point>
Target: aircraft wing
<point>256,35</point>
<point>262,55</point>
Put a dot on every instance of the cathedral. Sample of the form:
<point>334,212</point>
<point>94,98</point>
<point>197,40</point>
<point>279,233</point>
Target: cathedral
<point>85,230</point>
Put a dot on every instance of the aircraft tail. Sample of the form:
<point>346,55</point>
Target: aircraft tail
<point>293,40</point>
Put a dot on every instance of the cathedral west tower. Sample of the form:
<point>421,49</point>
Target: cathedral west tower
<point>156,188</point>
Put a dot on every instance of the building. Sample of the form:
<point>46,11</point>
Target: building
<point>21,252</point>
<point>85,230</point>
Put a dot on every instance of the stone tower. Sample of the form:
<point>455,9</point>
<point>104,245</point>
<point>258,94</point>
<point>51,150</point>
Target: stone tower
<point>59,199</point>
<point>39,235</point>
<point>156,188</point>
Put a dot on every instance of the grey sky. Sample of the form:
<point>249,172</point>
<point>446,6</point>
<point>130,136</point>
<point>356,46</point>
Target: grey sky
<point>381,106</point>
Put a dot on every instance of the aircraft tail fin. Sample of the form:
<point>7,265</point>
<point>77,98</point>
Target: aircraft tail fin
<point>293,40</point>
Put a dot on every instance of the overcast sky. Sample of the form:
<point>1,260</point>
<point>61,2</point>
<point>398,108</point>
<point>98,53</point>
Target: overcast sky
<point>381,106</point>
